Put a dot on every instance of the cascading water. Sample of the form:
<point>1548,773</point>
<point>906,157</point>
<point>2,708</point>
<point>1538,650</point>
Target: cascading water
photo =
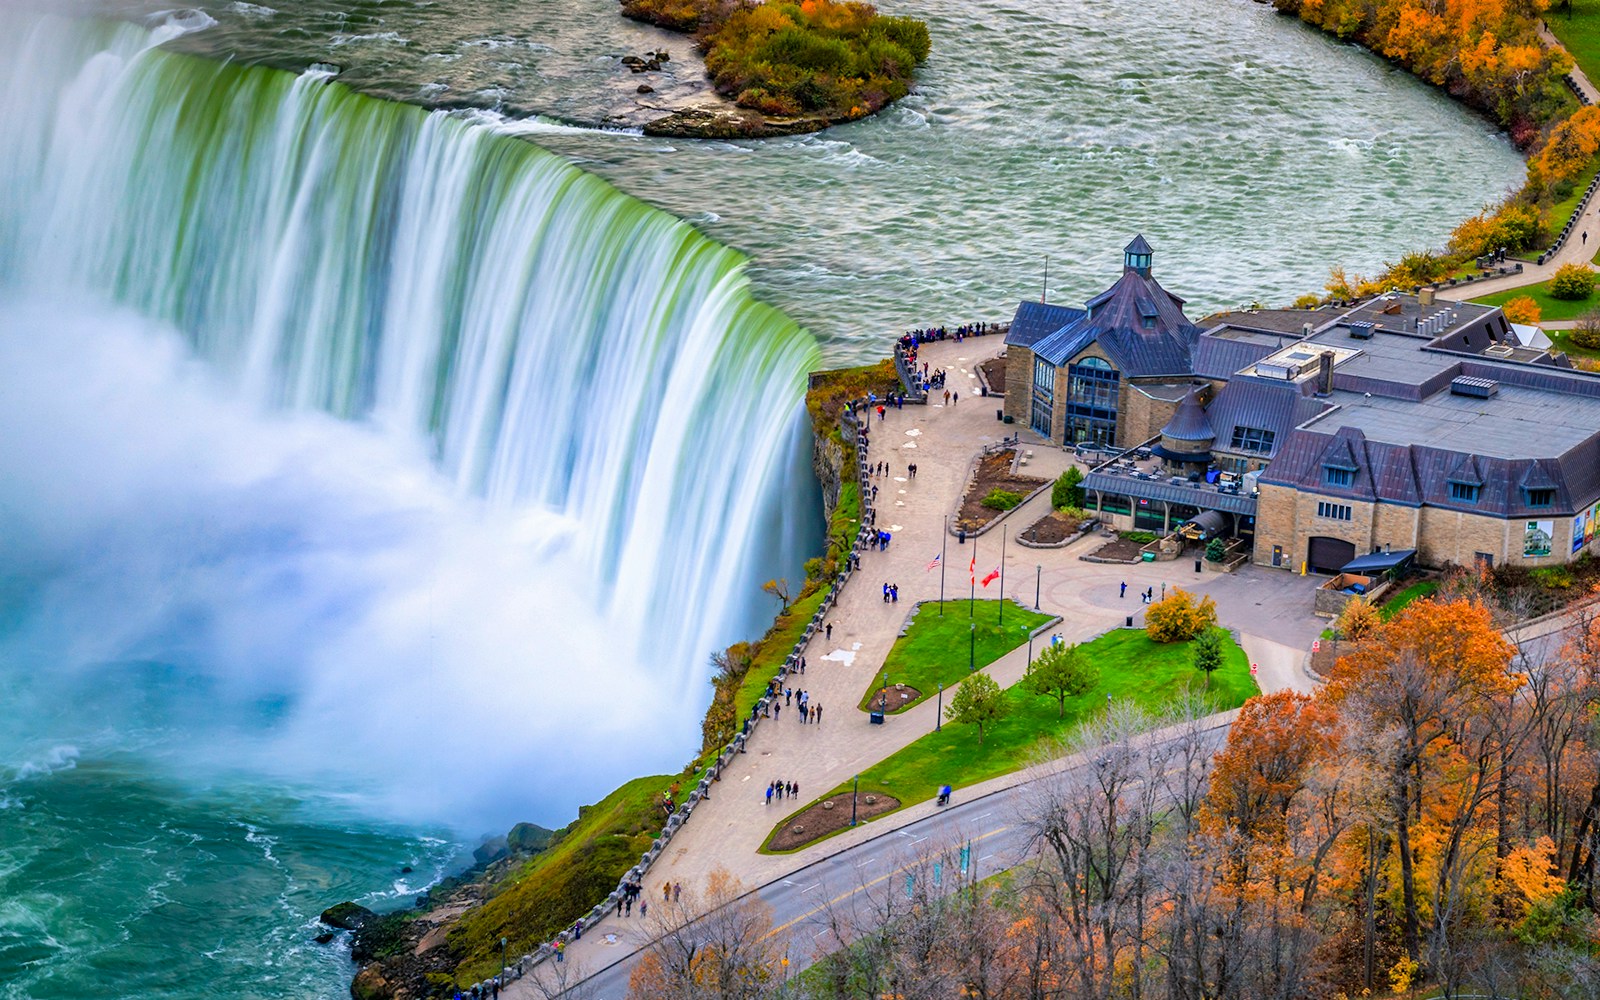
<point>564,431</point>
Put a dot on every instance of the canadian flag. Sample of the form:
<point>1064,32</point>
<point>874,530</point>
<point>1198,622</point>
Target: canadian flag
<point>973,569</point>
<point>993,574</point>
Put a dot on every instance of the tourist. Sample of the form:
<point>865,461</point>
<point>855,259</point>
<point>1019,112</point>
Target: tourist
<point>818,713</point>
<point>769,802</point>
<point>788,693</point>
<point>627,905</point>
<point>947,397</point>
<point>677,891</point>
<point>828,631</point>
<point>1124,591</point>
<point>955,399</point>
<point>577,930</point>
<point>886,593</point>
<point>802,666</point>
<point>794,789</point>
<point>894,593</point>
<point>644,908</point>
<point>666,892</point>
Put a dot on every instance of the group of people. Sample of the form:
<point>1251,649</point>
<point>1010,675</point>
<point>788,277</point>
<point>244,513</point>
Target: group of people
<point>880,541</point>
<point>891,593</point>
<point>911,338</point>
<point>782,788</point>
<point>630,894</point>
<point>802,700</point>
<point>1146,595</point>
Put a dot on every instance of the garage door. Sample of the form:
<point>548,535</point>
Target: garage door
<point>1328,555</point>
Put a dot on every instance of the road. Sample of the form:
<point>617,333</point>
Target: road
<point>801,901</point>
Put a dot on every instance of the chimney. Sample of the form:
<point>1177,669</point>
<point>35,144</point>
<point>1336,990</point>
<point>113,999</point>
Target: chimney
<point>1325,373</point>
<point>1425,297</point>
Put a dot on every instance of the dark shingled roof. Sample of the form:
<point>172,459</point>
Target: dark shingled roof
<point>1222,357</point>
<point>1115,321</point>
<point>1036,320</point>
<point>1188,421</point>
<point>1138,246</point>
<point>1267,404</point>
<point>1185,493</point>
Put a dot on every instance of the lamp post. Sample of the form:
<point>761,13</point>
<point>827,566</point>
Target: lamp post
<point>883,695</point>
<point>972,648</point>
<point>1038,578</point>
<point>502,976</point>
<point>855,786</point>
<point>938,718</point>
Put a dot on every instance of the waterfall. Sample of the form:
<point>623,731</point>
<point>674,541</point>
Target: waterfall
<point>586,379</point>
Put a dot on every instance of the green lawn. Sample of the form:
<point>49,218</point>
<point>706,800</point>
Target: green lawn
<point>1549,307</point>
<point>1579,31</point>
<point>1562,339</point>
<point>1131,668</point>
<point>1562,210</point>
<point>936,649</point>
<point>1415,592</point>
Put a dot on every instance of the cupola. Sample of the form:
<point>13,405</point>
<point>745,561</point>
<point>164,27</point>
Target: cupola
<point>1136,257</point>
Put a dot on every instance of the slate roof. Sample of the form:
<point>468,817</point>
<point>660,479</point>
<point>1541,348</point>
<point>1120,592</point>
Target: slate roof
<point>1186,493</point>
<point>1115,320</point>
<point>1188,421</point>
<point>1262,403</point>
<point>1222,357</point>
<point>1036,320</point>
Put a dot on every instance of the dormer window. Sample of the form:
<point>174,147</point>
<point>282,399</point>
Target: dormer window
<point>1465,492</point>
<point>1541,498</point>
<point>1335,476</point>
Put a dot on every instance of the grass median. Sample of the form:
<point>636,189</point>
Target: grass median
<point>1132,668</point>
<point>937,649</point>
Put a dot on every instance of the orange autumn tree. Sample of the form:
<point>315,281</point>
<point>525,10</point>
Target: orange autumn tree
<point>1428,697</point>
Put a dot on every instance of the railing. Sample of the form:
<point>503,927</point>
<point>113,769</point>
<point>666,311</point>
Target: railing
<point>850,427</point>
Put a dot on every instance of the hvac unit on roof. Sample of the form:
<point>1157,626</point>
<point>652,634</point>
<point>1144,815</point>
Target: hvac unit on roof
<point>1477,388</point>
<point>1361,330</point>
<point>1499,351</point>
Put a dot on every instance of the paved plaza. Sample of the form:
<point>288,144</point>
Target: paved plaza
<point>1270,609</point>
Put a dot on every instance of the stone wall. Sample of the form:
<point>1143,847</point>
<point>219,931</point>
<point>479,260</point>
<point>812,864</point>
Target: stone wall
<point>1019,384</point>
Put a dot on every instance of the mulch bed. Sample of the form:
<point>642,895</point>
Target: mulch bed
<point>818,821</point>
<point>994,372</point>
<point>1120,549</point>
<point>896,702</point>
<point>1052,528</point>
<point>993,473</point>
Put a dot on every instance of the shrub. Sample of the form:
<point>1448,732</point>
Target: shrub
<point>1358,620</point>
<point>1310,300</point>
<point>1142,537</point>
<point>1002,500</point>
<point>1178,617</point>
<point>1572,282</point>
<point>1215,550</point>
<point>1555,577</point>
<point>1522,309</point>
<point>1586,333</point>
<point>1066,492</point>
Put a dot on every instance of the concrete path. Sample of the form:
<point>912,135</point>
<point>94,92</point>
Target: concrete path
<point>1270,608</point>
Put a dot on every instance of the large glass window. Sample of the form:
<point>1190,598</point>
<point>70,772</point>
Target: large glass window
<point>1044,394</point>
<point>1092,386</point>
<point>1252,439</point>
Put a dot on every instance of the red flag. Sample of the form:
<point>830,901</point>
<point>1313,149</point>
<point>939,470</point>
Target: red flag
<point>973,569</point>
<point>993,574</point>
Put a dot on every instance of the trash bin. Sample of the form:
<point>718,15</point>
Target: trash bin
<point>1148,556</point>
<point>961,536</point>
<point>983,390</point>
<point>1197,565</point>
<point>875,718</point>
<point>1128,623</point>
<point>1000,414</point>
<point>1009,419</point>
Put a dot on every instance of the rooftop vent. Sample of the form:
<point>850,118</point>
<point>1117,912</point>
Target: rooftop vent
<point>1477,388</point>
<point>1499,351</point>
<point>1361,330</point>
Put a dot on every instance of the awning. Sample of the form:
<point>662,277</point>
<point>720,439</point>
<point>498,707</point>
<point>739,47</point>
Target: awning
<point>1206,524</point>
<point>1380,562</point>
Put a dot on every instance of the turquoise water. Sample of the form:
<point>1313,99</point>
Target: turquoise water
<point>337,432</point>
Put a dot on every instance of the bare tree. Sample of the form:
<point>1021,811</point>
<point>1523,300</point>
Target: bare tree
<point>729,953</point>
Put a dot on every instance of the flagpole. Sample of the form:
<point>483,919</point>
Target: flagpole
<point>942,539</point>
<point>1002,619</point>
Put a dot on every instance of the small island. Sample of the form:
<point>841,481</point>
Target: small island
<point>789,68</point>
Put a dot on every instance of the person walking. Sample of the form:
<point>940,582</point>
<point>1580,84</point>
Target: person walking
<point>828,630</point>
<point>769,802</point>
<point>818,712</point>
<point>1124,591</point>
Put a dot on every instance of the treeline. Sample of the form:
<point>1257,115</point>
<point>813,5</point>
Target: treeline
<point>1429,819</point>
<point>840,60</point>
<point>1486,53</point>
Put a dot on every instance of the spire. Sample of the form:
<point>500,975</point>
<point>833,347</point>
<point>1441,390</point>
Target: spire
<point>1136,256</point>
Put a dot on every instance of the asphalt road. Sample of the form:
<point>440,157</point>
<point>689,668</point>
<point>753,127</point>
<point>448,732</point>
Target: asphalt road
<point>801,901</point>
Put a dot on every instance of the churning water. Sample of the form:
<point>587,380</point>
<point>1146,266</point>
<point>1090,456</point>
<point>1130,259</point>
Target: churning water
<point>372,478</point>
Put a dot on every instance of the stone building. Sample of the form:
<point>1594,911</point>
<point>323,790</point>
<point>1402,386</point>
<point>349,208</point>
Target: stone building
<point>1318,436</point>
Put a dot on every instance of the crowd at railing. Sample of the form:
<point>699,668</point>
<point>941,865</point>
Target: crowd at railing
<point>854,426</point>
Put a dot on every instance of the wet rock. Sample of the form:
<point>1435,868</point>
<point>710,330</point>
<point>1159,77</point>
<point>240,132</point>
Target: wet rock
<point>324,937</point>
<point>632,61</point>
<point>347,916</point>
<point>370,984</point>
<point>405,869</point>
<point>653,64</point>
<point>645,88</point>
<point>662,55</point>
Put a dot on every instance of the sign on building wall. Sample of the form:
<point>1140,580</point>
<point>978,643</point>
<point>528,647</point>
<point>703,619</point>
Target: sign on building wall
<point>1537,538</point>
<point>1583,525</point>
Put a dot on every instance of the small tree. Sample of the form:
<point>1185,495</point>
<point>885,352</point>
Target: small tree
<point>1216,549</point>
<point>1178,617</point>
<point>1208,652</point>
<point>1572,282</point>
<point>1002,499</point>
<point>1522,309</point>
<point>1358,620</point>
<point>1586,333</point>
<point>778,588</point>
<point>979,701</point>
<point>1062,672</point>
<point>1066,492</point>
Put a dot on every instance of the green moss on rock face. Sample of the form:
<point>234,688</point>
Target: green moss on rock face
<point>346,916</point>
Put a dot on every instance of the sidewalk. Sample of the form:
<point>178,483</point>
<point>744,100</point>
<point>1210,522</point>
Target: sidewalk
<point>727,830</point>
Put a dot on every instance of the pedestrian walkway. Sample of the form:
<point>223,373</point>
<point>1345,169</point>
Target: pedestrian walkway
<point>1271,607</point>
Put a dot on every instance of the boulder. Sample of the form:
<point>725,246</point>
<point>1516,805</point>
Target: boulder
<point>662,55</point>
<point>370,984</point>
<point>492,849</point>
<point>653,64</point>
<point>347,916</point>
<point>645,88</point>
<point>324,937</point>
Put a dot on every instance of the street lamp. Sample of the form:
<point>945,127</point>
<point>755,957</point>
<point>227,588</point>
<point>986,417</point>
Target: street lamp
<point>972,648</point>
<point>502,976</point>
<point>938,718</point>
<point>1038,578</point>
<point>855,785</point>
